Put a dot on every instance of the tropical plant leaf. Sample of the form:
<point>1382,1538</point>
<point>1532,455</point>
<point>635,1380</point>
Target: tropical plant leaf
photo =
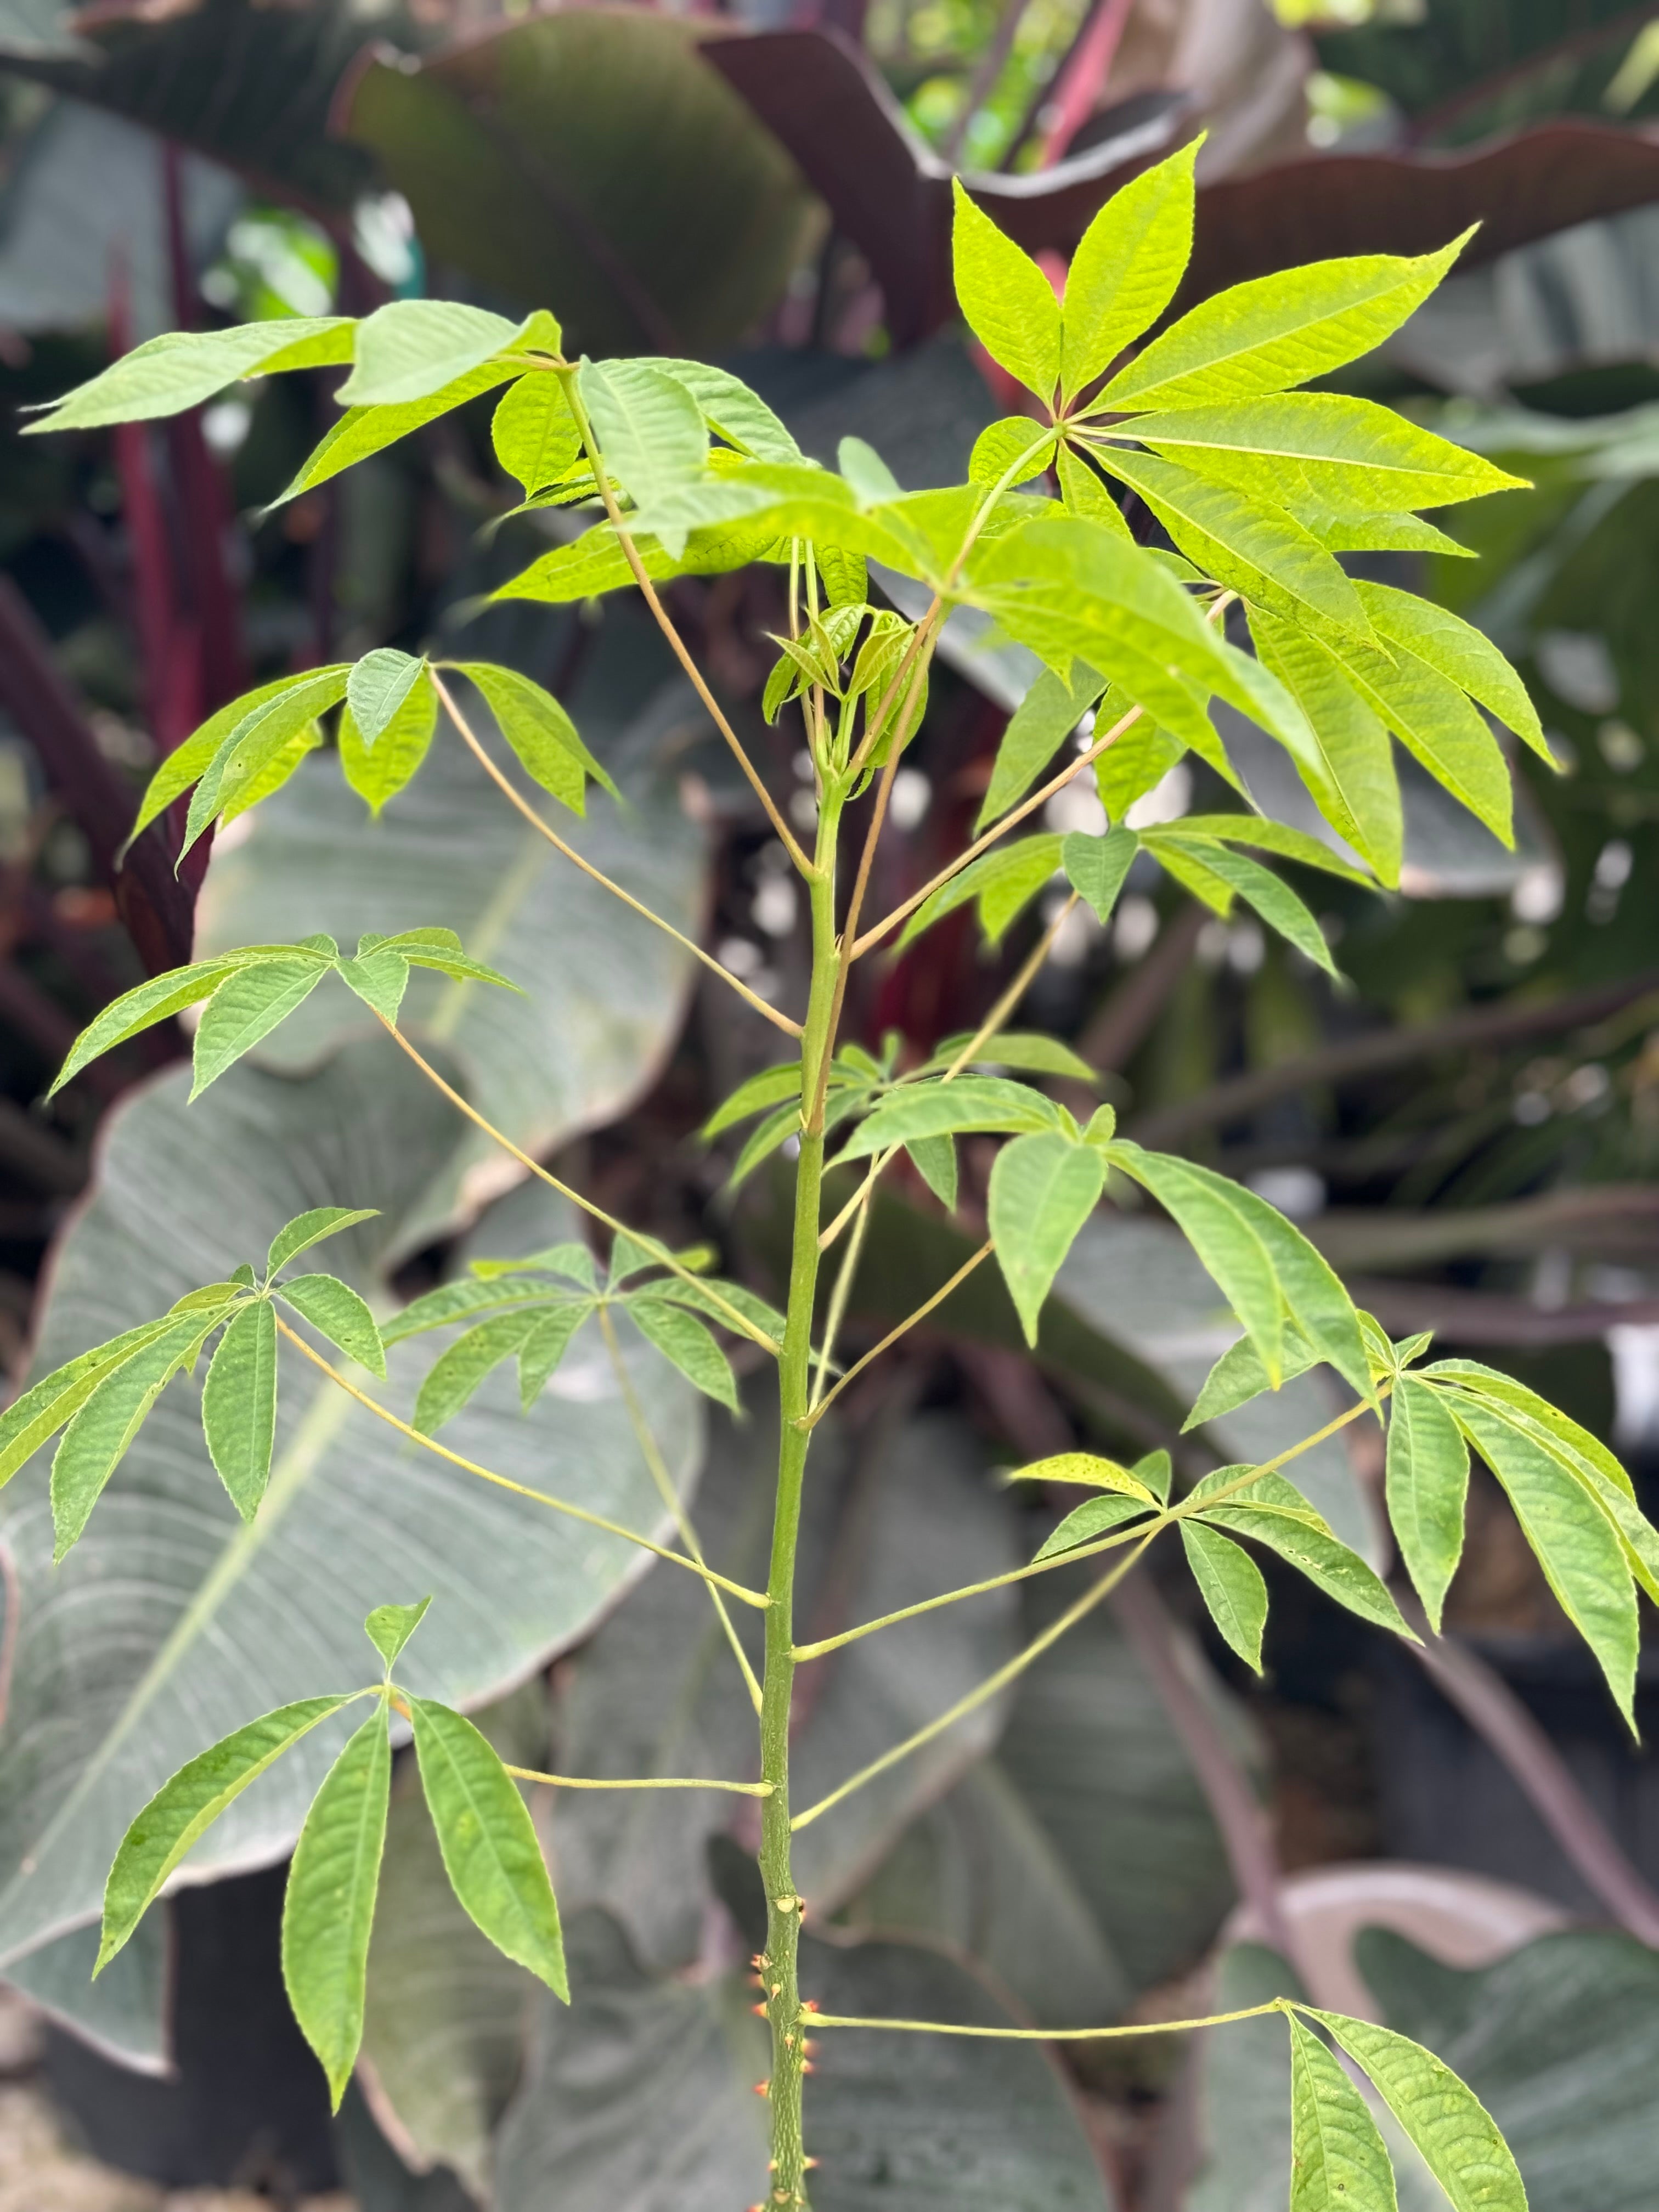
<point>97,1438</point>
<point>458,1371</point>
<point>1338,2160</point>
<point>1044,1189</point>
<point>410,349</point>
<point>1002,881</point>
<point>137,1010</point>
<point>238,1403</point>
<point>1010,304</point>
<point>1037,729</point>
<point>37,1414</point>
<point>1010,453</point>
<point>1274,1512</point>
<point>329,1907</point>
<point>934,1159</point>
<point>377,688</point>
<point>534,433</point>
<point>1458,651</point>
<point>247,1006</point>
<point>1099,866</point>
<point>182,368</point>
<point>389,1628</point>
<point>1239,1375</point>
<point>1438,723</point>
<point>1428,1477</point>
<point>1345,760</point>
<point>540,731</point>
<point>1231,1584</point>
<point>681,1338</point>
<point>362,431</point>
<point>1096,1517</point>
<point>1127,266</point>
<point>1460,2142</point>
<point>769,1088</point>
<point>938,1110</point>
<point>336,1311</point>
<point>379,773</point>
<point>1273,900</point>
<point>311,1228</point>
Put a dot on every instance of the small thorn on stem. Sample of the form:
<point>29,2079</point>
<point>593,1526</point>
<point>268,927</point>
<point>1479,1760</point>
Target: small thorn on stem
<point>763,2089</point>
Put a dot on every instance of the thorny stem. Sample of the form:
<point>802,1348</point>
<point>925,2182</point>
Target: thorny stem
<point>649,592</point>
<point>506,1482</point>
<point>645,1438</point>
<point>516,799</point>
<point>729,1313</point>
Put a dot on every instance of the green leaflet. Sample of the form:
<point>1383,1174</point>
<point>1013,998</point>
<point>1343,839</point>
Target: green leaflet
<point>1277,331</point>
<point>1096,1517</point>
<point>1269,837</point>
<point>1010,453</point>
<point>1274,901</point>
<point>1126,267</point>
<point>1231,1584</point>
<point>1084,493</point>
<point>1427,1482</point>
<point>1436,722</point>
<point>1135,763</point>
<point>1248,544</point>
<point>377,688</point>
<point>1099,866</point>
<point>1037,729</point>
<point>362,431</point>
<point>389,1628</point>
<point>379,773</point>
<point>411,349</point>
<point>182,368</point>
<point>683,1340</point>
<point>1338,2162</point>
<point>185,762</point>
<point>1456,650</point>
<point>1239,1375</point>
<point>329,1907</point>
<point>336,1311</point>
<point>702,1297</point>
<point>1380,533</point>
<point>1345,761</point>
<point>42,1409</point>
<point>731,410</point>
<point>1009,303</point>
<point>488,1844</point>
<point>1514,1399</point>
<point>458,1301</point>
<point>545,1346</point>
<point>988,1102</point>
<point>238,1403</point>
<point>186,1805</point>
<point>245,1007</point>
<point>569,1258</point>
<point>540,732</point>
<point>594,562</point>
<point>769,1088</point>
<point>1088,1469</point>
<point>458,1371</point>
<point>310,1228</point>
<point>1275,1513</point>
<point>1574,1536</point>
<point>1002,881</point>
<point>1027,1050</point>
<point>1458,2138</point>
<point>138,1010</point>
<point>534,433</point>
<point>650,429</point>
<point>96,1439</point>
<point>249,748</point>
<point>1349,456</point>
<point>1042,1190</point>
<point>934,1159</point>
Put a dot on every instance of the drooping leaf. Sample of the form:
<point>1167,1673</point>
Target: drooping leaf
<point>1436,722</point>
<point>458,1371</point>
<point>1274,332</point>
<point>1126,267</point>
<point>39,1412</point>
<point>410,349</point>
<point>379,773</point>
<point>328,1909</point>
<point>1345,761</point>
<point>336,1310</point>
<point>238,1403</point>
<point>1458,651</point>
<point>377,688</point>
<point>138,1010</point>
<point>534,432</point>
<point>540,731</point>
<point>938,1110</point>
<point>1428,1477</point>
<point>186,1805</point>
<point>934,1159</point>
<point>1099,866</point>
<point>362,431</point>
<point>182,368</point>
<point>1010,304</point>
<point>1231,1584</point>
<point>246,1008</point>
<point>180,767</point>
<point>1272,899</point>
<point>1042,1190</point>
<point>1273,1512</point>
<point>97,1438</point>
<point>681,1338</point>
<point>1338,2160</point>
<point>545,1348</point>
<point>1037,729</point>
<point>1002,881</point>
<point>1460,2141</point>
<point>488,1843</point>
<point>1269,837</point>
<point>389,1628</point>
<point>251,745</point>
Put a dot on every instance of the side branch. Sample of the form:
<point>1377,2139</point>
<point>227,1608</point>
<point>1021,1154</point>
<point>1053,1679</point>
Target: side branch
<point>818,2019</point>
<point>506,1482</point>
<point>893,1334</point>
<point>645,1782</point>
<point>517,799</point>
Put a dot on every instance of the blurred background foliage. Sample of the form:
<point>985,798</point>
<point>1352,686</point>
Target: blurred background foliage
<point>1469,1125</point>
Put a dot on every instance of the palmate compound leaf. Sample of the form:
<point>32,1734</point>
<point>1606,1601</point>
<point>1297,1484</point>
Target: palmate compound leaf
<point>1338,2162</point>
<point>328,1909</point>
<point>1044,1189</point>
<point>187,1804</point>
<point>1009,303</point>
<point>1457,2137</point>
<point>489,1842</point>
<point>1427,1482</point>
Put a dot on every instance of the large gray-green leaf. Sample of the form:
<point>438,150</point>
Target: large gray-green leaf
<point>1560,2041</point>
<point>641,2095</point>
<point>603,992</point>
<point>171,1624</point>
<point>126,2013</point>
<point>1077,1861</point>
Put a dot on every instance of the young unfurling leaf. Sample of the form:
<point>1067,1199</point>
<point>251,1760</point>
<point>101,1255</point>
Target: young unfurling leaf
<point>328,1911</point>
<point>389,1628</point>
<point>239,1405</point>
<point>185,1807</point>
<point>488,1843</point>
<point>1044,1189</point>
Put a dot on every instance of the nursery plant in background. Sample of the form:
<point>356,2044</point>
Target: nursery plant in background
<point>1258,485</point>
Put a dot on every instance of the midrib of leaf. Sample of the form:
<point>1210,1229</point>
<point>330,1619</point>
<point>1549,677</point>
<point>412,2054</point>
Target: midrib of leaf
<point>320,1425</point>
<point>486,939</point>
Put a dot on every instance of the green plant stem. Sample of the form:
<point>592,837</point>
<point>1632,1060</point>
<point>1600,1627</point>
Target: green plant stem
<point>978,1695</point>
<point>729,1313</point>
<point>567,377</point>
<point>1080,1552</point>
<point>643,1782</point>
<point>779,1970</point>
<point>670,1498</point>
<point>506,1482</point>
<point>516,799</point>
<point>1054,2034</point>
<point>894,1334</point>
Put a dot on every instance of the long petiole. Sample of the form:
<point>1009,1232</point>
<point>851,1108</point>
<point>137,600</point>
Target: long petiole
<point>729,1313</point>
<point>516,799</point>
<point>838,1298</point>
<point>665,623</point>
<point>818,2019</point>
<point>646,1782</point>
<point>506,1482</point>
<point>978,1695</point>
<point>1080,1552</point>
<point>671,1497</point>
<point>893,1334</point>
